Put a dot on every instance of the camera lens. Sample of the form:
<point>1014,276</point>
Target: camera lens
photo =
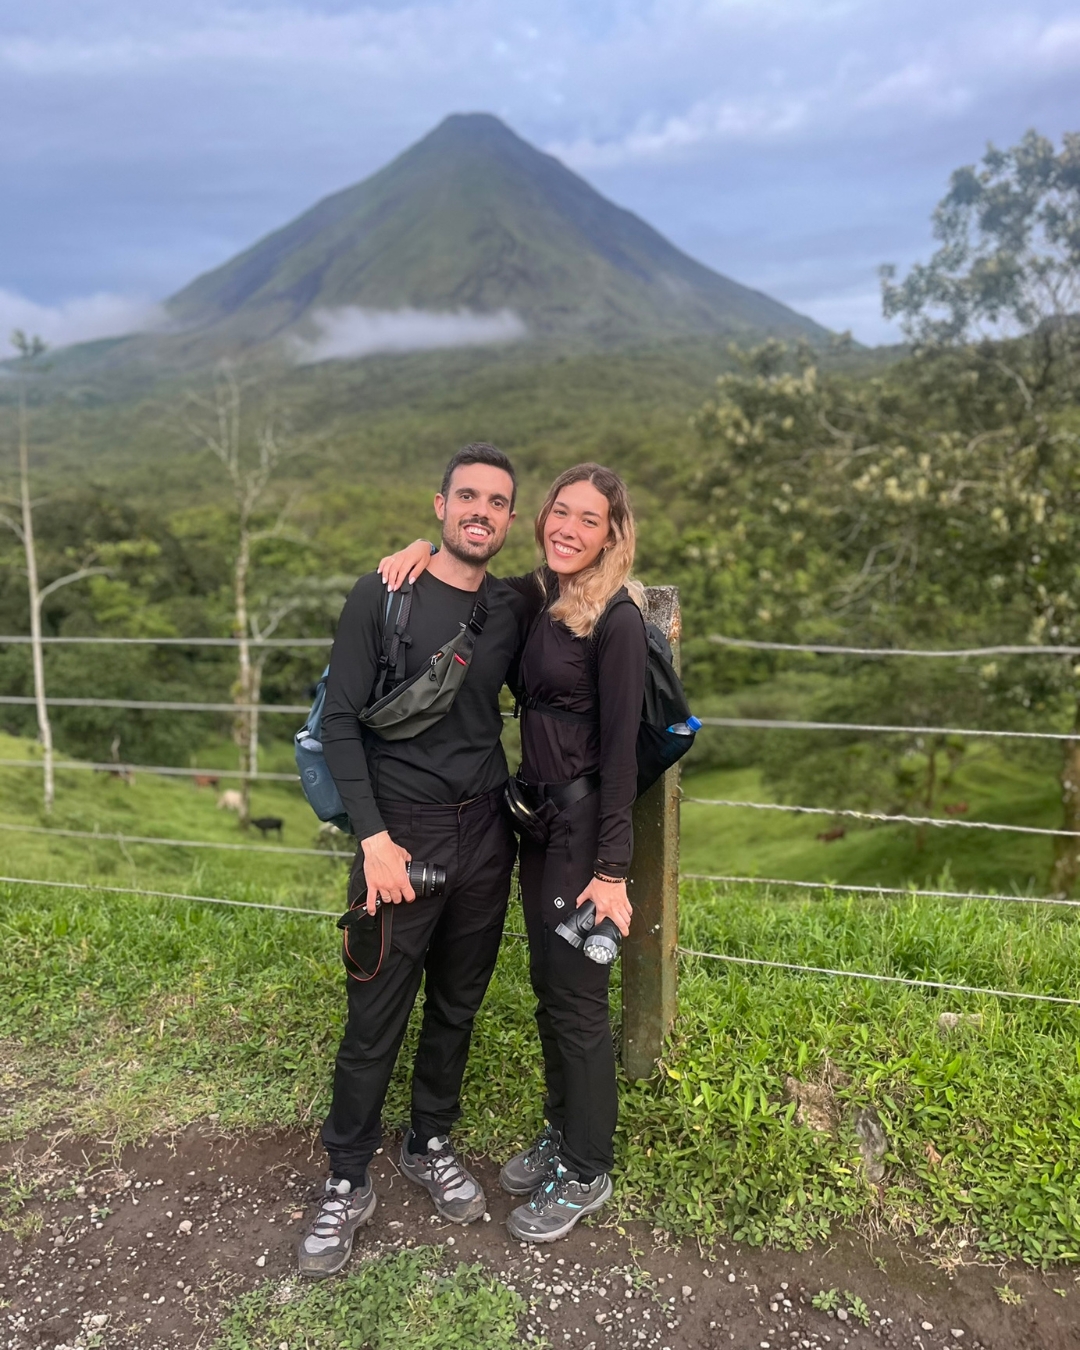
<point>427,879</point>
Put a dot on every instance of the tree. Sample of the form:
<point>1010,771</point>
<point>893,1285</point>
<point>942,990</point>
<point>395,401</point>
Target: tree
<point>926,507</point>
<point>1009,261</point>
<point>1009,267</point>
<point>30,349</point>
<point>250,461</point>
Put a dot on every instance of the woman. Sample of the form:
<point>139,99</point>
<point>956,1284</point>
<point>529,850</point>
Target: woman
<point>581,684</point>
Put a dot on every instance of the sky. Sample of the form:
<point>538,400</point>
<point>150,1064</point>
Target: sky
<point>794,145</point>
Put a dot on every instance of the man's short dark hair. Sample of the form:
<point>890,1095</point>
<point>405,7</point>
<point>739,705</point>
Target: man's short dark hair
<point>480,452</point>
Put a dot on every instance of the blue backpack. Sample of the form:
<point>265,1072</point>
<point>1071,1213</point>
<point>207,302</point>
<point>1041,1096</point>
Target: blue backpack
<point>315,778</point>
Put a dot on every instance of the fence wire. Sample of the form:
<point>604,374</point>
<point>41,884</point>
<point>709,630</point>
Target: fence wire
<point>882,817</point>
<point>197,899</point>
<point>780,724</point>
<point>883,890</point>
<point>757,723</point>
<point>169,895</point>
<point>824,648</point>
<point>156,705</point>
<point>103,837</point>
<point>165,770</point>
<point>880,979</point>
<point>24,640</point>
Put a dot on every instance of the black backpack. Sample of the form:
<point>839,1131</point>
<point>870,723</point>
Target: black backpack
<point>667,729</point>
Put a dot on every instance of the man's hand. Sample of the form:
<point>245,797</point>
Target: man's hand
<point>407,562</point>
<point>384,871</point>
<point>611,902</point>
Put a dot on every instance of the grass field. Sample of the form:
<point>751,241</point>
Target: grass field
<point>126,1015</point>
<point>742,842</point>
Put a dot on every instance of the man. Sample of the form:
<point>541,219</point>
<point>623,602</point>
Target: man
<point>436,798</point>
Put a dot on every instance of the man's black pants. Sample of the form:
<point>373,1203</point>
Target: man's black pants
<point>571,992</point>
<point>453,942</point>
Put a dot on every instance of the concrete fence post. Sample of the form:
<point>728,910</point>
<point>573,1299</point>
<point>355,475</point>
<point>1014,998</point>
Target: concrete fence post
<point>649,969</point>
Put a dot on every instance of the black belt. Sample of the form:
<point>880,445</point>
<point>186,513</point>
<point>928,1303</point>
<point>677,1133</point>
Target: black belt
<point>562,795</point>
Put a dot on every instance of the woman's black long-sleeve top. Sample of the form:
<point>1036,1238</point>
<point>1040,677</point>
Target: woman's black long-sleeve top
<point>557,669</point>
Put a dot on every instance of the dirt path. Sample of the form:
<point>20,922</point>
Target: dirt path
<point>144,1252</point>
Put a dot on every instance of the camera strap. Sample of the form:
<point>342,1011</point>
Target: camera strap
<point>349,921</point>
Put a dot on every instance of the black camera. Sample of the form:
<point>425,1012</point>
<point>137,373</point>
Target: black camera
<point>601,941</point>
<point>427,879</point>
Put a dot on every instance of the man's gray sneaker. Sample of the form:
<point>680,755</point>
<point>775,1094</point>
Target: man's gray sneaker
<point>557,1205</point>
<point>532,1166</point>
<point>327,1244</point>
<point>457,1194</point>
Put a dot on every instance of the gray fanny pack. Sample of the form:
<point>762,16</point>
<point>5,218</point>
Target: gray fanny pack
<point>415,704</point>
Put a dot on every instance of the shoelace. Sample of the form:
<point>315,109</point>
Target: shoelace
<point>332,1214</point>
<point>541,1151</point>
<point>551,1193</point>
<point>446,1169</point>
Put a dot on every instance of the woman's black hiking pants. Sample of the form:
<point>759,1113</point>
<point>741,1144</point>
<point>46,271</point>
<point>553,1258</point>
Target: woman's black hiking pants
<point>571,992</point>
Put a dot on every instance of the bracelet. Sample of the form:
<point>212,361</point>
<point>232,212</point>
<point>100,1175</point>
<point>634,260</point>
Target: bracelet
<point>612,881</point>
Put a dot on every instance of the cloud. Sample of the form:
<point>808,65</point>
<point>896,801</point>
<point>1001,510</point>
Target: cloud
<point>78,320</point>
<point>351,331</point>
<point>710,121</point>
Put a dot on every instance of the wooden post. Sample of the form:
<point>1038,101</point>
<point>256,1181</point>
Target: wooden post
<point>648,955</point>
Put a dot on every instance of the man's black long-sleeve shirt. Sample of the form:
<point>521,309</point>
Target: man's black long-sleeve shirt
<point>461,756</point>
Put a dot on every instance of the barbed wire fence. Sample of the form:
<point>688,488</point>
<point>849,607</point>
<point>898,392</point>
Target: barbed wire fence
<point>213,774</point>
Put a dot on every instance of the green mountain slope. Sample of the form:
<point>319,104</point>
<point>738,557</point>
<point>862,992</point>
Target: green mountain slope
<point>473,217</point>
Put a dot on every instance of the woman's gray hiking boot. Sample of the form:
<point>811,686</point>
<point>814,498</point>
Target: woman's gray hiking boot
<point>557,1205</point>
<point>532,1166</point>
<point>327,1244</point>
<point>457,1194</point>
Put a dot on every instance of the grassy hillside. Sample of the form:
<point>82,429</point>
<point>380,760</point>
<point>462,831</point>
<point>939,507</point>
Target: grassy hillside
<point>738,842</point>
<point>727,841</point>
<point>390,422</point>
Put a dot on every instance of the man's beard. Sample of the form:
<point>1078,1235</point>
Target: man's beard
<point>472,553</point>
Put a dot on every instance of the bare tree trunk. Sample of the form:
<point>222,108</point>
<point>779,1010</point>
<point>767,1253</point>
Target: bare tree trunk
<point>36,647</point>
<point>257,668</point>
<point>242,726</point>
<point>1067,851</point>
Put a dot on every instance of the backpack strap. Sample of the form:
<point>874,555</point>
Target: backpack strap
<point>479,616</point>
<point>622,597</point>
<point>396,640</point>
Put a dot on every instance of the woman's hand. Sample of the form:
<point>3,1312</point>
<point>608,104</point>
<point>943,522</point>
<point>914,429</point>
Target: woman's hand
<point>611,902</point>
<point>407,562</point>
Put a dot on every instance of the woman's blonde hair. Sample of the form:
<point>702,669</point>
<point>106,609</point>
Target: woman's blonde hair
<point>586,594</point>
